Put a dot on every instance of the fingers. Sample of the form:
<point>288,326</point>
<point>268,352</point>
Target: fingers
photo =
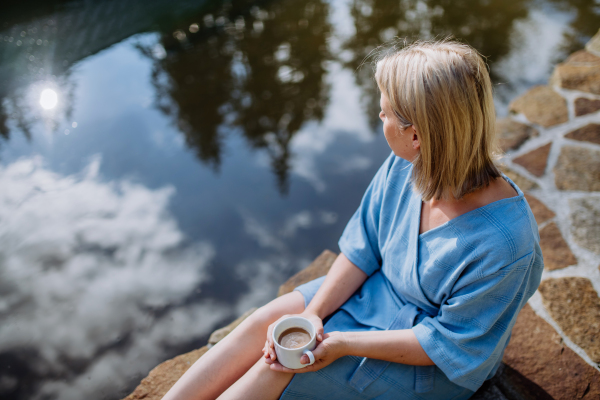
<point>320,352</point>
<point>269,333</point>
<point>320,333</point>
<point>318,323</point>
<point>270,348</point>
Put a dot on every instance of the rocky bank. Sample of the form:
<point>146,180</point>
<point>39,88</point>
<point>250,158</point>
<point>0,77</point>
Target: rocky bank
<point>551,142</point>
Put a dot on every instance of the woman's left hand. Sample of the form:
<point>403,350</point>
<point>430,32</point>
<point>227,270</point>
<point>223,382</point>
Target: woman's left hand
<point>330,349</point>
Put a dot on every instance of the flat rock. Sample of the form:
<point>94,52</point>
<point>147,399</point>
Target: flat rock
<point>555,249</point>
<point>578,168</point>
<point>535,161</point>
<point>512,134</point>
<point>581,71</point>
<point>163,377</point>
<point>542,366</point>
<point>589,133</point>
<point>219,334</point>
<point>522,182</point>
<point>575,306</point>
<point>541,105</point>
<point>539,209</point>
<point>585,222</point>
<point>593,46</point>
<point>319,267</point>
<point>585,106</point>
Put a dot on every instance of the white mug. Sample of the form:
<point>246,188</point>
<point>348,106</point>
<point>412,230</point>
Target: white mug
<point>290,358</point>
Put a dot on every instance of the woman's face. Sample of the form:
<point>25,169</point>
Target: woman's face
<point>403,142</point>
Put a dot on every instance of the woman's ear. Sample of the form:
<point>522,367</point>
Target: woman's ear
<point>416,141</point>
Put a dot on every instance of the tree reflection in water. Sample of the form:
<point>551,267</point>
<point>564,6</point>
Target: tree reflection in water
<point>256,69</point>
<point>583,26</point>
<point>485,24</point>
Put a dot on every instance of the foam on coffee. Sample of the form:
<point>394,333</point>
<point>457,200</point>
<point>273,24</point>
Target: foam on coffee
<point>294,338</point>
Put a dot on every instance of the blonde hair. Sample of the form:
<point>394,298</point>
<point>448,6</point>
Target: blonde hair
<point>443,89</point>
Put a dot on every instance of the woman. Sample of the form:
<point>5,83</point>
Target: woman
<point>435,264</point>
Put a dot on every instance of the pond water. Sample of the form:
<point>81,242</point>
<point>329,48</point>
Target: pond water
<point>166,165</point>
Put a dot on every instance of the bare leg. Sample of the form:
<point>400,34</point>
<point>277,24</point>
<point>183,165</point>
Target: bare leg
<point>259,383</point>
<point>233,356</point>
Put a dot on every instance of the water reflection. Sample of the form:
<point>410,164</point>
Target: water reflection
<point>488,25</point>
<point>48,99</point>
<point>244,68</point>
<point>583,25</point>
<point>40,43</point>
<point>485,24</point>
<point>91,272</point>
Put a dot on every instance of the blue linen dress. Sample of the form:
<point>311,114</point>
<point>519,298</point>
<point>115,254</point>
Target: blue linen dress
<point>459,287</point>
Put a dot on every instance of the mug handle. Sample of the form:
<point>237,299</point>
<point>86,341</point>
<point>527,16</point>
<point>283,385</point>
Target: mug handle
<point>311,357</point>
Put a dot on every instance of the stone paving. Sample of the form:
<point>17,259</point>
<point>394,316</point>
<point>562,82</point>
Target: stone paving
<point>551,142</point>
<point>559,169</point>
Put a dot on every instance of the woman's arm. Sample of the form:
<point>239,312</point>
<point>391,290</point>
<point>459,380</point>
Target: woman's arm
<point>341,282</point>
<point>399,346</point>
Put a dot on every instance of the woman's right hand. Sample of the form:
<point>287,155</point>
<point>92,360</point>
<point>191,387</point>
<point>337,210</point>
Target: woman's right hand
<point>269,349</point>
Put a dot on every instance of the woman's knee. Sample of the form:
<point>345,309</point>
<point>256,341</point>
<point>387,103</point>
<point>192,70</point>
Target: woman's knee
<point>291,303</point>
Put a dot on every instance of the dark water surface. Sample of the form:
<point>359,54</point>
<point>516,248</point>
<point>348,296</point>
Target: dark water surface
<point>166,165</point>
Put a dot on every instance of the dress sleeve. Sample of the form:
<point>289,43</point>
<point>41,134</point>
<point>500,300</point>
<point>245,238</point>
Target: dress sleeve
<point>359,242</point>
<point>468,336</point>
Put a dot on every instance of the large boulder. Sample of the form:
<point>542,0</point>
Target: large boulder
<point>544,366</point>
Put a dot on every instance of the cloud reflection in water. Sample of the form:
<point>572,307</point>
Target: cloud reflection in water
<point>94,278</point>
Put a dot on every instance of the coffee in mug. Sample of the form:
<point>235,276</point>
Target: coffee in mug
<point>293,337</point>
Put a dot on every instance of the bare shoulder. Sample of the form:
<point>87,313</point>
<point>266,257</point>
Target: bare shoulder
<point>498,189</point>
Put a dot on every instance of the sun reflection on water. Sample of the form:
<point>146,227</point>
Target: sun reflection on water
<point>48,99</point>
